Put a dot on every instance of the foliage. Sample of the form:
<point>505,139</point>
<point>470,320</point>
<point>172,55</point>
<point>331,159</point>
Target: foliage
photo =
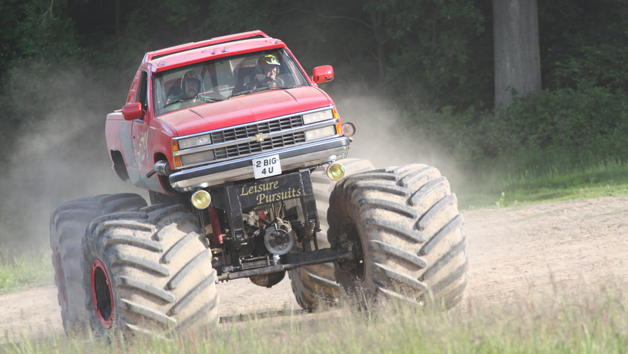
<point>35,36</point>
<point>562,183</point>
<point>584,42</point>
<point>564,126</point>
<point>31,269</point>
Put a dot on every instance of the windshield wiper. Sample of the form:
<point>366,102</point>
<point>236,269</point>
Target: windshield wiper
<point>246,92</point>
<point>171,103</point>
<point>209,99</point>
<point>263,88</point>
<point>200,97</point>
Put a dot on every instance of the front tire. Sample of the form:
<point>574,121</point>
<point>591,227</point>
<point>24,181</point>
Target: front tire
<point>148,272</point>
<point>405,230</point>
<point>67,227</point>
<point>315,286</point>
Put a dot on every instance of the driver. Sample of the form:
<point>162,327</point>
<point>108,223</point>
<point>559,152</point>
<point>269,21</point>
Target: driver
<point>190,85</point>
<point>190,88</point>
<point>267,68</point>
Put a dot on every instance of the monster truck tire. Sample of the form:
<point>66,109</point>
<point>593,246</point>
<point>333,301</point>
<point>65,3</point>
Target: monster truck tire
<point>67,227</point>
<point>148,272</point>
<point>315,286</point>
<point>405,229</point>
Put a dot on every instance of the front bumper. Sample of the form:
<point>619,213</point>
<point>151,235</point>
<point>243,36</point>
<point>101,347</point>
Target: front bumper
<point>240,169</point>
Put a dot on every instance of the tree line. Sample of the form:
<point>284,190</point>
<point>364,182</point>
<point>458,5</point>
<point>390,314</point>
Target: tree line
<point>423,54</point>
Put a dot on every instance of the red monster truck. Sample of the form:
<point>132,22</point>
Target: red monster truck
<point>239,150</point>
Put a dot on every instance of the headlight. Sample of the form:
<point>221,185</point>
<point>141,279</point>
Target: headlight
<point>197,157</point>
<point>320,133</point>
<point>317,116</point>
<point>194,141</point>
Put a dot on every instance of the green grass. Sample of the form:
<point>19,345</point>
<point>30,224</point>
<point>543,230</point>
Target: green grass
<point>555,184</point>
<point>30,269</point>
<point>597,322</point>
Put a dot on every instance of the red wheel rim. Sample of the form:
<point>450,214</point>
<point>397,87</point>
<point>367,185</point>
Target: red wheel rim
<point>102,295</point>
<point>60,278</point>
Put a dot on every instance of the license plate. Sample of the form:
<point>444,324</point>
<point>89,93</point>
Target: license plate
<point>267,166</point>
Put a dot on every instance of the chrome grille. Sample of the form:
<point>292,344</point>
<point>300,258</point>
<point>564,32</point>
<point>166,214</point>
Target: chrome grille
<point>252,130</point>
<point>252,147</point>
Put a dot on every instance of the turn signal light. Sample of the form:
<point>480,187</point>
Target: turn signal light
<point>335,171</point>
<point>201,199</point>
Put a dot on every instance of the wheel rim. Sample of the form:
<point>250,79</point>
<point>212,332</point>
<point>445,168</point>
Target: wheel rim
<point>350,235</point>
<point>61,278</point>
<point>102,294</point>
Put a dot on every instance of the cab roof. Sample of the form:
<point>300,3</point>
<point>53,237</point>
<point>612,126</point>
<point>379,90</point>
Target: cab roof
<point>190,53</point>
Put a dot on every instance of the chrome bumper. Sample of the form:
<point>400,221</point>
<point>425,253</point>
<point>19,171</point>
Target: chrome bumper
<point>292,158</point>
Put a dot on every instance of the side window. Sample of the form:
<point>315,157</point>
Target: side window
<point>143,91</point>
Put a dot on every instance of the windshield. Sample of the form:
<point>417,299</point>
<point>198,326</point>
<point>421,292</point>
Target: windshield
<point>221,79</point>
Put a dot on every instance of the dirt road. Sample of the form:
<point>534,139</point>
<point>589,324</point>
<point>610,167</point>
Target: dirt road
<point>513,253</point>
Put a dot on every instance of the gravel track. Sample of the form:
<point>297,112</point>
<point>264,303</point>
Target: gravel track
<point>514,253</point>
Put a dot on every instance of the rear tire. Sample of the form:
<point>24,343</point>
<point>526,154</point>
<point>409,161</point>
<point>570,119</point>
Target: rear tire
<point>315,286</point>
<point>148,272</point>
<point>67,227</point>
<point>404,226</point>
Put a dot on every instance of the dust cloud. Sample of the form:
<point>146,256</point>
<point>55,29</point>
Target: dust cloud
<point>58,155</point>
<point>387,139</point>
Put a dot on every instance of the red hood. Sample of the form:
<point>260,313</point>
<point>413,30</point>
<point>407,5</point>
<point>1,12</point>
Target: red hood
<point>245,109</point>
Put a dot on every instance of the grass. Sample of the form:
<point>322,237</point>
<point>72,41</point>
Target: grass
<point>593,322</point>
<point>597,322</point>
<point>30,269</point>
<point>562,183</point>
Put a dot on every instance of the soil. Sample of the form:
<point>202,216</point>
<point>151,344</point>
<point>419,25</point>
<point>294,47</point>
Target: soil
<point>514,253</point>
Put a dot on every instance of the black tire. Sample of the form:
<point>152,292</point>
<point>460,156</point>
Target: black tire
<point>148,272</point>
<point>404,226</point>
<point>315,286</point>
<point>67,227</point>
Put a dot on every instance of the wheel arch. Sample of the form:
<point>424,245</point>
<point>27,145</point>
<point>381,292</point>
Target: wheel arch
<point>119,165</point>
<point>164,181</point>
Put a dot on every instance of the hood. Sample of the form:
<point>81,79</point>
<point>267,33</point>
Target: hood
<point>246,109</point>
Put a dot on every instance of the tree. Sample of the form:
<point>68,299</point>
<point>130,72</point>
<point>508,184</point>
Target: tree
<point>516,50</point>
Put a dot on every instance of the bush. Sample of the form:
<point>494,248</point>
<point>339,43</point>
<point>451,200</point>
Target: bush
<point>566,127</point>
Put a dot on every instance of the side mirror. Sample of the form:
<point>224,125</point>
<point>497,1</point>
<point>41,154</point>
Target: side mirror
<point>323,74</point>
<point>132,111</point>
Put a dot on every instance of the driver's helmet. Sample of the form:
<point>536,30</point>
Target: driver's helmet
<point>190,75</point>
<point>267,62</point>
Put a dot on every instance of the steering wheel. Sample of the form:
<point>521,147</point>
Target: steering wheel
<point>273,83</point>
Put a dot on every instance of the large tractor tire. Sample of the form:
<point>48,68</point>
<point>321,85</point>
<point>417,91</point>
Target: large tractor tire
<point>148,272</point>
<point>67,227</point>
<point>315,286</point>
<point>404,228</point>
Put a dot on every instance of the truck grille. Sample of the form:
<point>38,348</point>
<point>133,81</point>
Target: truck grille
<point>252,147</point>
<point>252,130</point>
